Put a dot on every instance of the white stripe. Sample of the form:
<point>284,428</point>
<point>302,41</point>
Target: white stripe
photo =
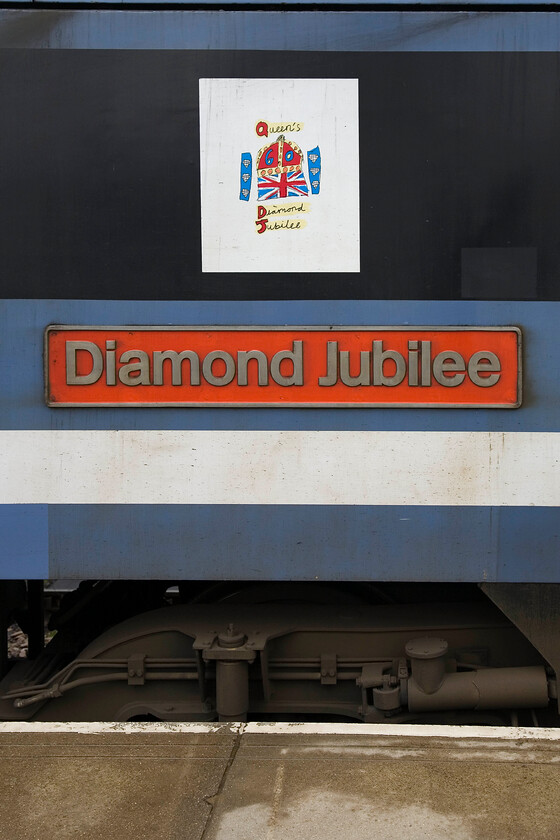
<point>106,728</point>
<point>403,730</point>
<point>505,733</point>
<point>273,468</point>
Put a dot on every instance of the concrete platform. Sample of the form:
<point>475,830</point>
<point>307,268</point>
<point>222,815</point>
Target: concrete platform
<point>272,781</point>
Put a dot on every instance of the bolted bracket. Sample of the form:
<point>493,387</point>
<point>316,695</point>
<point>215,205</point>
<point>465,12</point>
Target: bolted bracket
<point>230,645</point>
<point>328,669</point>
<point>136,669</point>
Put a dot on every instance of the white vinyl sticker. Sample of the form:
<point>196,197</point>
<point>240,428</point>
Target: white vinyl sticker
<point>279,169</point>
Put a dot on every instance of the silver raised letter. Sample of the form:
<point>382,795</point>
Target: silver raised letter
<point>209,360</point>
<point>379,358</point>
<point>110,362</point>
<point>482,362</point>
<point>363,377</point>
<point>243,359</point>
<point>73,378</point>
<point>449,360</point>
<point>331,376</point>
<point>426,367</point>
<point>142,367</point>
<point>176,359</point>
<point>296,357</point>
<point>413,362</point>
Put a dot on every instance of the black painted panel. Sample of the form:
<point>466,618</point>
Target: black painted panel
<point>100,183</point>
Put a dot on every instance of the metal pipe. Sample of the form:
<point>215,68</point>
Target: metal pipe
<point>490,688</point>
<point>232,689</point>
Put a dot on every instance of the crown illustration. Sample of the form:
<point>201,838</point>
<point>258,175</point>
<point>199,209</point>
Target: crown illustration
<point>279,156</point>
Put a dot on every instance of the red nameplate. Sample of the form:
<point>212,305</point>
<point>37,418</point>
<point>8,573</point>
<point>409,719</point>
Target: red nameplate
<point>276,366</point>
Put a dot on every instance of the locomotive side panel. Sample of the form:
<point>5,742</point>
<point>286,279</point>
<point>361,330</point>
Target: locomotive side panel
<point>458,187</point>
<point>279,357</point>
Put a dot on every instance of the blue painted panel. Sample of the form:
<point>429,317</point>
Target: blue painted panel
<point>528,544</point>
<point>389,31</point>
<point>294,5</point>
<point>304,542</point>
<point>21,335</point>
<point>24,541</point>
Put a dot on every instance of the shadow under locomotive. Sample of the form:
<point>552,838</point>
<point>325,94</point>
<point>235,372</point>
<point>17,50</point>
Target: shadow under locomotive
<point>262,651</point>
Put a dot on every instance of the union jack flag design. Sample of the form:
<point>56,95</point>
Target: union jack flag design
<point>282,185</point>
